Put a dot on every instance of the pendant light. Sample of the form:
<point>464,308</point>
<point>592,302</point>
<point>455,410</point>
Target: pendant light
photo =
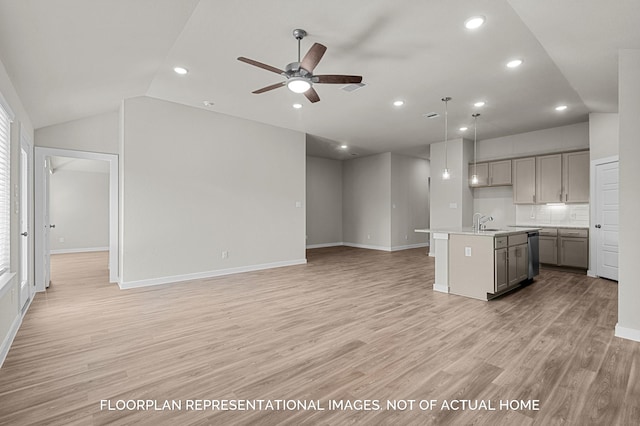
<point>474,178</point>
<point>445,173</point>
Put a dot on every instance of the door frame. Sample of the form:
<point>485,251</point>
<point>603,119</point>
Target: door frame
<point>593,242</point>
<point>41,153</point>
<point>26,144</point>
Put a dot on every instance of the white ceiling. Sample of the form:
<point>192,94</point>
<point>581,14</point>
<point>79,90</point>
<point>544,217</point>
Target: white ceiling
<point>74,58</point>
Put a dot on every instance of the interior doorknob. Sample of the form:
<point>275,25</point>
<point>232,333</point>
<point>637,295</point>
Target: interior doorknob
<point>598,226</point>
<point>24,234</point>
<point>52,226</point>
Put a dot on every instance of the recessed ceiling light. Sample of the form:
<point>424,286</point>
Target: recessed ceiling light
<point>479,104</point>
<point>344,146</point>
<point>561,108</point>
<point>398,103</point>
<point>474,22</point>
<point>514,63</point>
<point>297,106</point>
<point>181,70</point>
<point>207,103</point>
<point>463,129</point>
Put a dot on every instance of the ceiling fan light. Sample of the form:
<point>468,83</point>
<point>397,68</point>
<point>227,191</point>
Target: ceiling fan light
<point>298,84</point>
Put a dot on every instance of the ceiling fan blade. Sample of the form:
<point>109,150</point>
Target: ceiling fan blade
<point>337,79</point>
<point>312,95</point>
<point>260,65</point>
<point>266,89</point>
<point>313,56</point>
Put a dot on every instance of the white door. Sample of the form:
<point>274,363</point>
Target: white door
<point>46,261</point>
<point>606,220</point>
<point>25,289</point>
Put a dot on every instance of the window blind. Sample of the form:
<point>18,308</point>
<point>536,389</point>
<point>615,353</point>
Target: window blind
<point>5,190</point>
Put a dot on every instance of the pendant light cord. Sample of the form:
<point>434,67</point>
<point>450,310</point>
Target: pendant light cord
<point>475,143</point>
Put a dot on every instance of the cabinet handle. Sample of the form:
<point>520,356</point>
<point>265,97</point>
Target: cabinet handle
<point>566,197</point>
<point>534,197</point>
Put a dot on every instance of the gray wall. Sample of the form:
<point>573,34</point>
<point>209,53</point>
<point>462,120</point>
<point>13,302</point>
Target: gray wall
<point>324,202</point>
<point>603,135</point>
<point>366,199</point>
<point>98,133</point>
<point>629,113</point>
<point>556,139</point>
<point>196,183</point>
<point>409,200</point>
<point>452,199</point>
<point>79,207</point>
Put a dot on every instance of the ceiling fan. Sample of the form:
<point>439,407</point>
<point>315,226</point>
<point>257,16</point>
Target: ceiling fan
<point>299,77</point>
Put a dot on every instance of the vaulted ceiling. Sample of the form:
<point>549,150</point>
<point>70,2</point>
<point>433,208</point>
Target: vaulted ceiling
<point>74,58</point>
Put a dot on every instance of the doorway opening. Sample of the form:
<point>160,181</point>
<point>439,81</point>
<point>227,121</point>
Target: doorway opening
<point>67,162</point>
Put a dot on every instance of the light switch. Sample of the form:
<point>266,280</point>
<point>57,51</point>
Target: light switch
<point>453,205</point>
<point>298,204</point>
<point>467,251</point>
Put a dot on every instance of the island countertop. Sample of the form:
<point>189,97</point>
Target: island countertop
<point>491,232</point>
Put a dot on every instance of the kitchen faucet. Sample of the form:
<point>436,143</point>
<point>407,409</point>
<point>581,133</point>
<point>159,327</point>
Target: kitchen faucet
<point>479,224</point>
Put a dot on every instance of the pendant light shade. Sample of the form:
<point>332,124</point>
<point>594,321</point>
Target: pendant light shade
<point>445,173</point>
<point>474,178</point>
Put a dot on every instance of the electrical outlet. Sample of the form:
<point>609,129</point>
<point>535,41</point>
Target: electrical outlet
<point>368,236</point>
<point>61,239</point>
<point>467,251</point>
<point>225,254</point>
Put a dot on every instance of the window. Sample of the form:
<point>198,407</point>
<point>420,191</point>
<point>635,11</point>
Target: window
<point>5,185</point>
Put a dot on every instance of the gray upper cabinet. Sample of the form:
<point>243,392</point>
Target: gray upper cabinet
<point>575,170</point>
<point>493,173</point>
<point>549,179</point>
<point>524,180</point>
<point>500,173</point>
<point>482,170</point>
<point>555,178</point>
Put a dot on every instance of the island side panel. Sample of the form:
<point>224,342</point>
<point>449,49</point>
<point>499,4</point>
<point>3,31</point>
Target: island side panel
<point>441,242</point>
<point>471,276</point>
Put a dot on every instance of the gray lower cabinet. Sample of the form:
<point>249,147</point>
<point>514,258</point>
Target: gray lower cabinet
<point>502,275</point>
<point>511,259</point>
<point>548,250</point>
<point>573,248</point>
<point>565,247</point>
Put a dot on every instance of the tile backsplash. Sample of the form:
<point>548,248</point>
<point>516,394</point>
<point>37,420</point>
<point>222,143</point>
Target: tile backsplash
<point>570,215</point>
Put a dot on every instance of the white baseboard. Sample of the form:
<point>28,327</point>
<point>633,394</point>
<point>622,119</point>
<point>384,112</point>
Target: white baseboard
<point>410,246</point>
<point>8,340</point>
<point>79,250</point>
<point>591,274</point>
<point>367,246</point>
<point>627,333</point>
<point>207,274</point>
<point>440,288</point>
<point>314,246</point>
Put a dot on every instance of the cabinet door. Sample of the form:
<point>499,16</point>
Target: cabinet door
<point>482,170</point>
<point>500,173</point>
<point>524,180</point>
<point>549,179</point>
<point>574,252</point>
<point>575,170</point>
<point>501,279</point>
<point>548,250</point>
<point>522,259</point>
<point>512,265</point>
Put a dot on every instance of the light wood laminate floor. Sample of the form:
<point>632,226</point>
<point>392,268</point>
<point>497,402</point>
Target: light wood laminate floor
<point>350,325</point>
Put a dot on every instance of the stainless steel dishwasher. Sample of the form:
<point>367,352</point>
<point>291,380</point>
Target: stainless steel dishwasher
<point>534,253</point>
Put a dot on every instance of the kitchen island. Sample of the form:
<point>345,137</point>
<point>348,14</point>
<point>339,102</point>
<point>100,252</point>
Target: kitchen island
<point>481,264</point>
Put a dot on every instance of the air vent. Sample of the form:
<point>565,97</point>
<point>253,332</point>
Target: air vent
<point>431,115</point>
<point>353,87</point>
